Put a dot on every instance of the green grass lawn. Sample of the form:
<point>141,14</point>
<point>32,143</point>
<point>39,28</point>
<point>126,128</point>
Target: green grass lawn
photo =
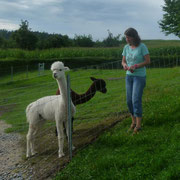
<point>152,154</point>
<point>19,93</point>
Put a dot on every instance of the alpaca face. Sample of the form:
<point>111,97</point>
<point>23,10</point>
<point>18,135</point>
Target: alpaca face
<point>58,69</point>
<point>100,84</point>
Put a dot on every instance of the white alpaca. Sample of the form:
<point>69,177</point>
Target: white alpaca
<point>50,108</point>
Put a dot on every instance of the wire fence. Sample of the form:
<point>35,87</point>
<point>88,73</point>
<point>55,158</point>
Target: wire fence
<point>100,103</point>
<point>16,73</point>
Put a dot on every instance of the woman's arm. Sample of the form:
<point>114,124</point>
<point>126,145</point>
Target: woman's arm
<point>146,62</point>
<point>124,64</point>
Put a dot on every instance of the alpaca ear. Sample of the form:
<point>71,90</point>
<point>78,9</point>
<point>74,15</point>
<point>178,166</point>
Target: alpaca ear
<point>66,69</point>
<point>93,79</point>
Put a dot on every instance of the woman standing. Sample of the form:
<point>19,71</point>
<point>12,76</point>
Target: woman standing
<point>135,58</point>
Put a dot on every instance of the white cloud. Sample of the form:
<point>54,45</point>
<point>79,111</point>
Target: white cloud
<point>42,2</point>
<point>8,5</point>
<point>5,24</point>
<point>84,16</point>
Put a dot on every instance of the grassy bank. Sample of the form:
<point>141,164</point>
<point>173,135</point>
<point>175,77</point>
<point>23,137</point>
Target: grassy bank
<point>18,94</point>
<point>152,154</point>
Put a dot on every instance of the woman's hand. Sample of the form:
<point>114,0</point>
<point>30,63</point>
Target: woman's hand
<point>125,67</point>
<point>132,68</point>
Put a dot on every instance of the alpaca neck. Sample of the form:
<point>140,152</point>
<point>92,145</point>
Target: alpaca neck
<point>63,87</point>
<point>82,98</point>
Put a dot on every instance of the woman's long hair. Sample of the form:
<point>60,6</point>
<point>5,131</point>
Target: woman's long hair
<point>131,32</point>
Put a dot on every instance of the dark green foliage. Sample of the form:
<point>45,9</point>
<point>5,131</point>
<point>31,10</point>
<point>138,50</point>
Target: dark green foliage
<point>170,24</point>
<point>24,38</point>
<point>165,51</point>
<point>83,41</point>
<point>112,41</point>
<point>84,56</point>
<point>1,41</point>
<point>123,39</point>
<point>5,39</point>
<point>5,34</point>
<point>53,41</point>
<point>29,40</point>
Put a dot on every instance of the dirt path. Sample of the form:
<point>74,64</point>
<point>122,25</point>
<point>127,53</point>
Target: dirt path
<point>46,164</point>
<point>10,152</point>
<point>82,137</point>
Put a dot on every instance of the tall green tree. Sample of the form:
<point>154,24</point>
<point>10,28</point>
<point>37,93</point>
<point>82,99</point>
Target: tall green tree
<point>170,24</point>
<point>83,40</point>
<point>1,41</point>
<point>24,37</point>
<point>112,41</point>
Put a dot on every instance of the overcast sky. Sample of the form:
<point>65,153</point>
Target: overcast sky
<point>84,17</point>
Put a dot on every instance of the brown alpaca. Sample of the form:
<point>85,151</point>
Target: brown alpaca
<point>97,85</point>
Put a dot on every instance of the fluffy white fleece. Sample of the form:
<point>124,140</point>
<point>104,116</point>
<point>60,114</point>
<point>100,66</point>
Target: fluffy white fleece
<point>49,108</point>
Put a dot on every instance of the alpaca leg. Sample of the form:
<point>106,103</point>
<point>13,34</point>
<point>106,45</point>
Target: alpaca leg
<point>66,130</point>
<point>64,127</point>
<point>29,140</point>
<point>67,134</point>
<point>33,152</point>
<point>28,151</point>
<point>59,126</point>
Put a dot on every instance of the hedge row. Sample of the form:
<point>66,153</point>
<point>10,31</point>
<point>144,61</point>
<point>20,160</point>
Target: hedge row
<point>156,61</point>
<point>20,65</point>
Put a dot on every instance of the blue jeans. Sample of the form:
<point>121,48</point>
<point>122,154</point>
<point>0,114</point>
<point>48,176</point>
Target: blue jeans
<point>134,92</point>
